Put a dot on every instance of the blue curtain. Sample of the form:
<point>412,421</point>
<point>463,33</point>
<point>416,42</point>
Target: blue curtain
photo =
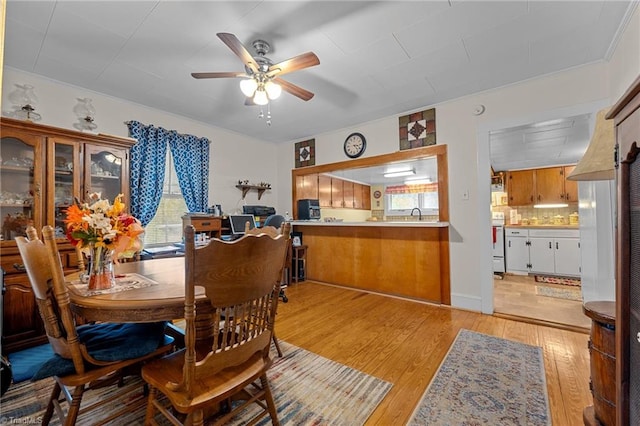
<point>191,160</point>
<point>147,169</point>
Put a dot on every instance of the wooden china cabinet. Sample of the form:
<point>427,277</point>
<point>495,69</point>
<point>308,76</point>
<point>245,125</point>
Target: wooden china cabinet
<point>626,115</point>
<point>43,169</point>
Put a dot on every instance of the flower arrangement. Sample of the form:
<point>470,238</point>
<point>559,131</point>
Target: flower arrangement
<point>103,226</point>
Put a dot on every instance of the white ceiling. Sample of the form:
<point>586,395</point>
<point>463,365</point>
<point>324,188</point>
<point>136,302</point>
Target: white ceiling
<point>377,59</point>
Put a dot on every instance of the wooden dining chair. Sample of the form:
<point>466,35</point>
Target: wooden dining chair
<point>241,279</point>
<point>85,357</point>
<point>285,230</point>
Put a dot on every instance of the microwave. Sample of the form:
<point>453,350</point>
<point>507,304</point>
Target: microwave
<point>308,209</point>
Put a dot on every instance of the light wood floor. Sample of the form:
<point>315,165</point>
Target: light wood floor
<point>404,342</point>
<point>516,295</point>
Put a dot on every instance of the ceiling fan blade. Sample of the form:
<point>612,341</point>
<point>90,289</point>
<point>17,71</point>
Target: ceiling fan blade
<point>234,44</point>
<point>218,74</point>
<point>298,91</point>
<point>296,63</point>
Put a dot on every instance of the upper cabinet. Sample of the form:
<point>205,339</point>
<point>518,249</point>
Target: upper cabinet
<point>521,187</point>
<point>332,192</point>
<point>541,186</point>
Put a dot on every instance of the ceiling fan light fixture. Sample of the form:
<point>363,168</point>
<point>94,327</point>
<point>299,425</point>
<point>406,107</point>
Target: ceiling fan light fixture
<point>273,90</point>
<point>248,86</point>
<point>260,97</point>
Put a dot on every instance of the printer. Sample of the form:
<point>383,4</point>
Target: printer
<point>260,211</point>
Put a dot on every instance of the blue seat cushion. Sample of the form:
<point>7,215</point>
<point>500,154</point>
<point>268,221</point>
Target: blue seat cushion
<point>110,342</point>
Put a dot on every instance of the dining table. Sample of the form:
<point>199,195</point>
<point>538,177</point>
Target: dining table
<point>156,293</point>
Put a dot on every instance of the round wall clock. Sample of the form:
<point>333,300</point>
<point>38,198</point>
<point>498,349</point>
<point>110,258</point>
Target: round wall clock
<point>377,194</point>
<point>354,145</point>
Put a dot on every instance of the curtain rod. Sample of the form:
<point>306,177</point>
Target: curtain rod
<point>127,122</point>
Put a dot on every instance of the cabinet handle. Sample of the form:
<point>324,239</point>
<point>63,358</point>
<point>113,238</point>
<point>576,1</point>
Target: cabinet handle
<point>19,267</point>
<point>509,243</point>
<point>539,197</point>
<point>206,223</point>
<point>550,244</point>
<point>556,245</point>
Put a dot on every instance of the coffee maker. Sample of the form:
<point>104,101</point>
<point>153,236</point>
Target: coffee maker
<point>308,209</point>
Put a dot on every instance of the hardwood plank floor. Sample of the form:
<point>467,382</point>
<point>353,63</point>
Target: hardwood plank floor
<point>515,295</point>
<point>404,342</point>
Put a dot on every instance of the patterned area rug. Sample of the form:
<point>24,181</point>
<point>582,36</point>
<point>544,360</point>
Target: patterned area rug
<point>308,390</point>
<point>486,380</point>
<point>569,293</point>
<point>557,280</point>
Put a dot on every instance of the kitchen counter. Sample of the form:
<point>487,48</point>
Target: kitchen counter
<point>407,259</point>
<point>379,223</point>
<point>543,226</point>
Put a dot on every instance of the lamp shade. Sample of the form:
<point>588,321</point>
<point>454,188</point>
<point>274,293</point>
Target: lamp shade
<point>597,162</point>
<point>248,87</point>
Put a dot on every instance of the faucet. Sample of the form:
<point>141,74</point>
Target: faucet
<point>419,212</point>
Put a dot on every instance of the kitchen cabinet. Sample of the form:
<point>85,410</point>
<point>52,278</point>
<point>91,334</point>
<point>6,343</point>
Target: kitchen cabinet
<point>541,186</point>
<point>324,191</point>
<point>333,192</point>
<point>555,252</point>
<point>307,187</point>
<point>570,186</point>
<point>337,193</point>
<point>361,196</point>
<point>43,169</point>
<point>517,250</point>
<point>521,187</point>
<point>543,251</point>
<point>549,185</point>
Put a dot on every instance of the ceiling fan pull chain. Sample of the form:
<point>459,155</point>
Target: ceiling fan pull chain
<point>269,114</point>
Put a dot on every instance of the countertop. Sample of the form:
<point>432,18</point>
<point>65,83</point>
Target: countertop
<point>380,223</point>
<point>544,226</point>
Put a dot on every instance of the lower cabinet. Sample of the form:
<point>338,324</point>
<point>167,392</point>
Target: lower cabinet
<point>543,251</point>
<point>517,250</point>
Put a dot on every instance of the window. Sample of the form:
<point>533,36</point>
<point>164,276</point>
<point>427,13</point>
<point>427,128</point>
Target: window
<point>166,225</point>
<point>401,199</point>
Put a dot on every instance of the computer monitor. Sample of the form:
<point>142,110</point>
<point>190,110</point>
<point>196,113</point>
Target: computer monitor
<point>238,223</point>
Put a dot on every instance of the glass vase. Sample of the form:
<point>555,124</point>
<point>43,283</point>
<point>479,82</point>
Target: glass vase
<point>101,273</point>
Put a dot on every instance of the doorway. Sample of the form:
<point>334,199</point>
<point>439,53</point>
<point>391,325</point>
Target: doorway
<point>522,296</point>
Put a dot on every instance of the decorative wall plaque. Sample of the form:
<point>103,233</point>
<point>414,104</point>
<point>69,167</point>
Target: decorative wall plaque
<point>305,153</point>
<point>418,129</point>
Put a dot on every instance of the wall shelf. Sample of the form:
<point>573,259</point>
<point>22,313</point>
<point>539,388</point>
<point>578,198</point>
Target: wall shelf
<point>246,188</point>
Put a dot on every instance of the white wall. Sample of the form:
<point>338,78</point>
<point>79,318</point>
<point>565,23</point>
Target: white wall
<point>233,156</point>
<point>469,167</point>
<point>624,65</point>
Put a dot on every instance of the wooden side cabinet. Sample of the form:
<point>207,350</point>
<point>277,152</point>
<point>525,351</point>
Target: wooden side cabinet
<point>602,357</point>
<point>626,116</point>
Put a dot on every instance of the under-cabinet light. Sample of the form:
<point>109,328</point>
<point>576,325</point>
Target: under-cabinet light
<point>550,206</point>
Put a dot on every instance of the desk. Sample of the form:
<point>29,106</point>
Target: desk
<point>163,302</point>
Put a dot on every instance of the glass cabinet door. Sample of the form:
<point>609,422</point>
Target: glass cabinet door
<point>105,171</point>
<point>20,183</point>
<point>64,188</point>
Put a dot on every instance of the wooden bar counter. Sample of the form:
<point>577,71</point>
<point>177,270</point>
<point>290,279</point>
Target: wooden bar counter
<point>407,259</point>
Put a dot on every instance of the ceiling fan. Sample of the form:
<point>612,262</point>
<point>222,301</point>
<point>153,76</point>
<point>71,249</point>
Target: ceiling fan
<point>262,80</point>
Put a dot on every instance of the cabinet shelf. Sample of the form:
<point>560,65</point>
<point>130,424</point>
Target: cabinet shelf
<point>16,169</point>
<point>246,188</point>
<point>104,177</point>
<point>26,206</point>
